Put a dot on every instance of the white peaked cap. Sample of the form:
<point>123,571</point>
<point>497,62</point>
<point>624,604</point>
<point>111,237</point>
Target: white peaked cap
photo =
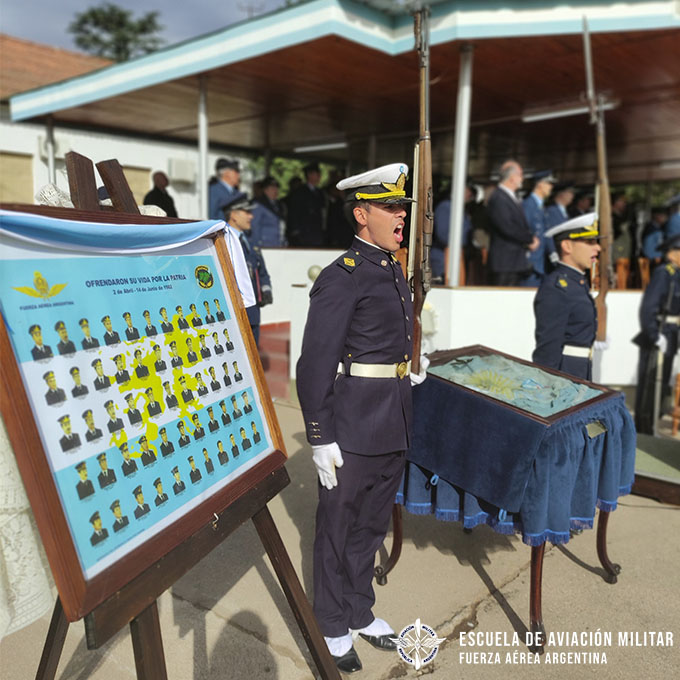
<point>583,226</point>
<point>385,183</point>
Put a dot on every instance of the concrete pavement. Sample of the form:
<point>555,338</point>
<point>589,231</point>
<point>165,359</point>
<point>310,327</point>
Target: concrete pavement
<point>227,618</point>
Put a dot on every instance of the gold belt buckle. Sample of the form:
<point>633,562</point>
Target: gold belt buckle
<point>402,369</point>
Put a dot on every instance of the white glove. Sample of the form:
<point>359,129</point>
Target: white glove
<point>327,457</point>
<point>554,258</point>
<point>662,344</point>
<point>602,344</point>
<point>420,377</point>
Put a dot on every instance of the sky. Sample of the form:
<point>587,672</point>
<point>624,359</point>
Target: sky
<point>46,21</point>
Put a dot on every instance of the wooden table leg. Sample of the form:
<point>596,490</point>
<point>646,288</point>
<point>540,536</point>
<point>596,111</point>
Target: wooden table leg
<point>147,643</point>
<point>382,570</point>
<point>535,602</point>
<point>271,540</point>
<point>612,570</point>
<point>54,644</point>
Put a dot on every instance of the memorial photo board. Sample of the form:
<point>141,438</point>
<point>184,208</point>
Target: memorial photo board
<point>146,394</point>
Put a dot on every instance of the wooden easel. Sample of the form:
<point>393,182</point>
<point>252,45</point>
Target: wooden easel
<point>135,602</point>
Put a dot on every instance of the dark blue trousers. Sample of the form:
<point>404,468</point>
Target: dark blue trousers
<point>351,523</point>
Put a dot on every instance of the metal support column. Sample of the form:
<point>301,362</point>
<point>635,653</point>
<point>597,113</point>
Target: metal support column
<point>459,167</point>
<point>49,147</point>
<point>202,149</point>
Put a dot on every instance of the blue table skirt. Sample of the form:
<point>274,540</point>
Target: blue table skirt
<point>570,475</point>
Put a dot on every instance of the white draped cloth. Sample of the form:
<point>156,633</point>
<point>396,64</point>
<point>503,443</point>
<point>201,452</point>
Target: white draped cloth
<point>26,589</point>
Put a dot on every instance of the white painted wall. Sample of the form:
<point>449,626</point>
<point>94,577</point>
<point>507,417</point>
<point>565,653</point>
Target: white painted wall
<point>500,319</point>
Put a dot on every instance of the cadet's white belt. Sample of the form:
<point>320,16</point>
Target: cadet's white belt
<point>673,319</point>
<point>574,351</point>
<point>399,370</point>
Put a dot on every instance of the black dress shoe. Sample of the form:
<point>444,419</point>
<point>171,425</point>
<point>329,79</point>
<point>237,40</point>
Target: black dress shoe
<point>348,662</point>
<point>381,641</point>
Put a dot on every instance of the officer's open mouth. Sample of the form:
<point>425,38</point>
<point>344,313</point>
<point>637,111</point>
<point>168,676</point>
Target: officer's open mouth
<point>398,235</point>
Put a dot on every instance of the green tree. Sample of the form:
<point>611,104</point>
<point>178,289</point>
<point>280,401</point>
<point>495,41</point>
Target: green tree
<point>112,32</point>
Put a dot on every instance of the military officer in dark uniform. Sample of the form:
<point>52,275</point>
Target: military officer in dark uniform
<point>79,390</point>
<point>149,329</point>
<point>54,394</point>
<point>187,394</point>
<point>227,341</point>
<point>92,433</point>
<point>205,350</point>
<point>361,317</point>
<point>219,313</point>
<point>236,412</point>
<point>209,318</point>
<point>213,425</point>
<point>101,381</point>
<point>658,338</point>
<point>84,487</point>
<point>70,440</point>
<point>148,456</point>
<point>192,357</point>
<point>141,371</point>
<point>122,376</point>
<point>247,406</point>
<point>159,365</point>
<point>153,407</point>
<point>218,349</point>
<point>99,533</point>
<point>196,319</point>
<point>39,350</point>
<point>215,385</point>
<point>184,439</point>
<point>195,474</point>
<point>182,323</point>
<point>227,379</point>
<point>160,496</point>
<point>167,447</point>
<point>115,423</point>
<point>88,342</point>
<point>237,374</point>
<point>178,485</point>
<point>226,418</point>
<point>209,467</point>
<point>566,319</point>
<point>201,387</point>
<point>166,324</point>
<point>256,435</point>
<point>235,453</point>
<point>106,477</point>
<point>64,346</point>
<point>199,432</point>
<point>111,337</point>
<point>121,520</point>
<point>134,414</point>
<point>222,455</point>
<point>170,398</point>
<point>306,211</point>
<point>131,333</point>
<point>175,360</point>
<point>129,466</point>
<point>142,507</point>
<point>245,442</point>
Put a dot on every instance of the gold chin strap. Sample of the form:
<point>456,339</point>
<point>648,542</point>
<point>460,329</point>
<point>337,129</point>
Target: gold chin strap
<point>585,234</point>
<point>373,197</point>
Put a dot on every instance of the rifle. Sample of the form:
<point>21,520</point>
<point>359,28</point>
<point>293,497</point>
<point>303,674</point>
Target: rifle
<point>421,241</point>
<point>603,205</point>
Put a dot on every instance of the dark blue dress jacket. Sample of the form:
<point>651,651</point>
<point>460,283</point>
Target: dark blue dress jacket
<point>510,234</point>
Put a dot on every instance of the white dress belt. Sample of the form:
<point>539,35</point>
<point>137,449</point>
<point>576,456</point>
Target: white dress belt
<point>672,320</point>
<point>399,370</point>
<point>581,352</point>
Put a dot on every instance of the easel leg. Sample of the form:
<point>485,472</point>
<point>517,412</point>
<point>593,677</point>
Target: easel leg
<point>535,601</point>
<point>612,569</point>
<point>54,644</point>
<point>271,540</point>
<point>382,570</point>
<point>147,643</point>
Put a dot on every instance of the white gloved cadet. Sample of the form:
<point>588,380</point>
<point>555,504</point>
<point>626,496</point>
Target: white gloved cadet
<point>327,457</point>
<point>418,379</point>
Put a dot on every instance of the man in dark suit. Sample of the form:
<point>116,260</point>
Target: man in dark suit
<point>134,414</point>
<point>245,442</point>
<point>218,349</point>
<point>305,225</point>
<point>201,387</point>
<point>236,412</point>
<point>226,378</point>
<point>149,329</point>
<point>70,440</point>
<point>92,433</point>
<point>141,371</point>
<point>166,324</point>
<point>175,360</point>
<point>227,341</point>
<point>121,520</point>
<point>39,350</point>
<point>195,319</point>
<point>170,398</point>
<point>79,390</point>
<point>247,407</point>
<point>359,456</point>
<point>159,365</point>
<point>106,477</point>
<point>84,487</point>
<point>153,407</point>
<point>148,456</point>
<point>222,455</point>
<point>256,435</point>
<point>209,318</point>
<point>142,507</point>
<point>195,473</point>
<point>88,342</point>
<point>511,236</point>
<point>226,418</point>
<point>64,346</point>
<point>209,467</point>
<point>192,357</point>
<point>237,375</point>
<point>205,351</point>
<point>213,425</point>
<point>178,485</point>
<point>167,447</point>
<point>110,336</point>
<point>215,384</point>
<point>160,496</point>
<point>100,534</point>
<point>234,447</point>
<point>115,423</point>
<point>54,394</point>
<point>131,333</point>
<point>219,313</point>
<point>187,394</point>
<point>182,323</point>
<point>122,376</point>
<point>101,381</point>
<point>184,439</point>
<point>199,432</point>
<point>159,194</point>
<point>129,465</point>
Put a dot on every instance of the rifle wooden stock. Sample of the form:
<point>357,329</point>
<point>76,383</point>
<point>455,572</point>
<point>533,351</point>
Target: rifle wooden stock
<point>605,228</point>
